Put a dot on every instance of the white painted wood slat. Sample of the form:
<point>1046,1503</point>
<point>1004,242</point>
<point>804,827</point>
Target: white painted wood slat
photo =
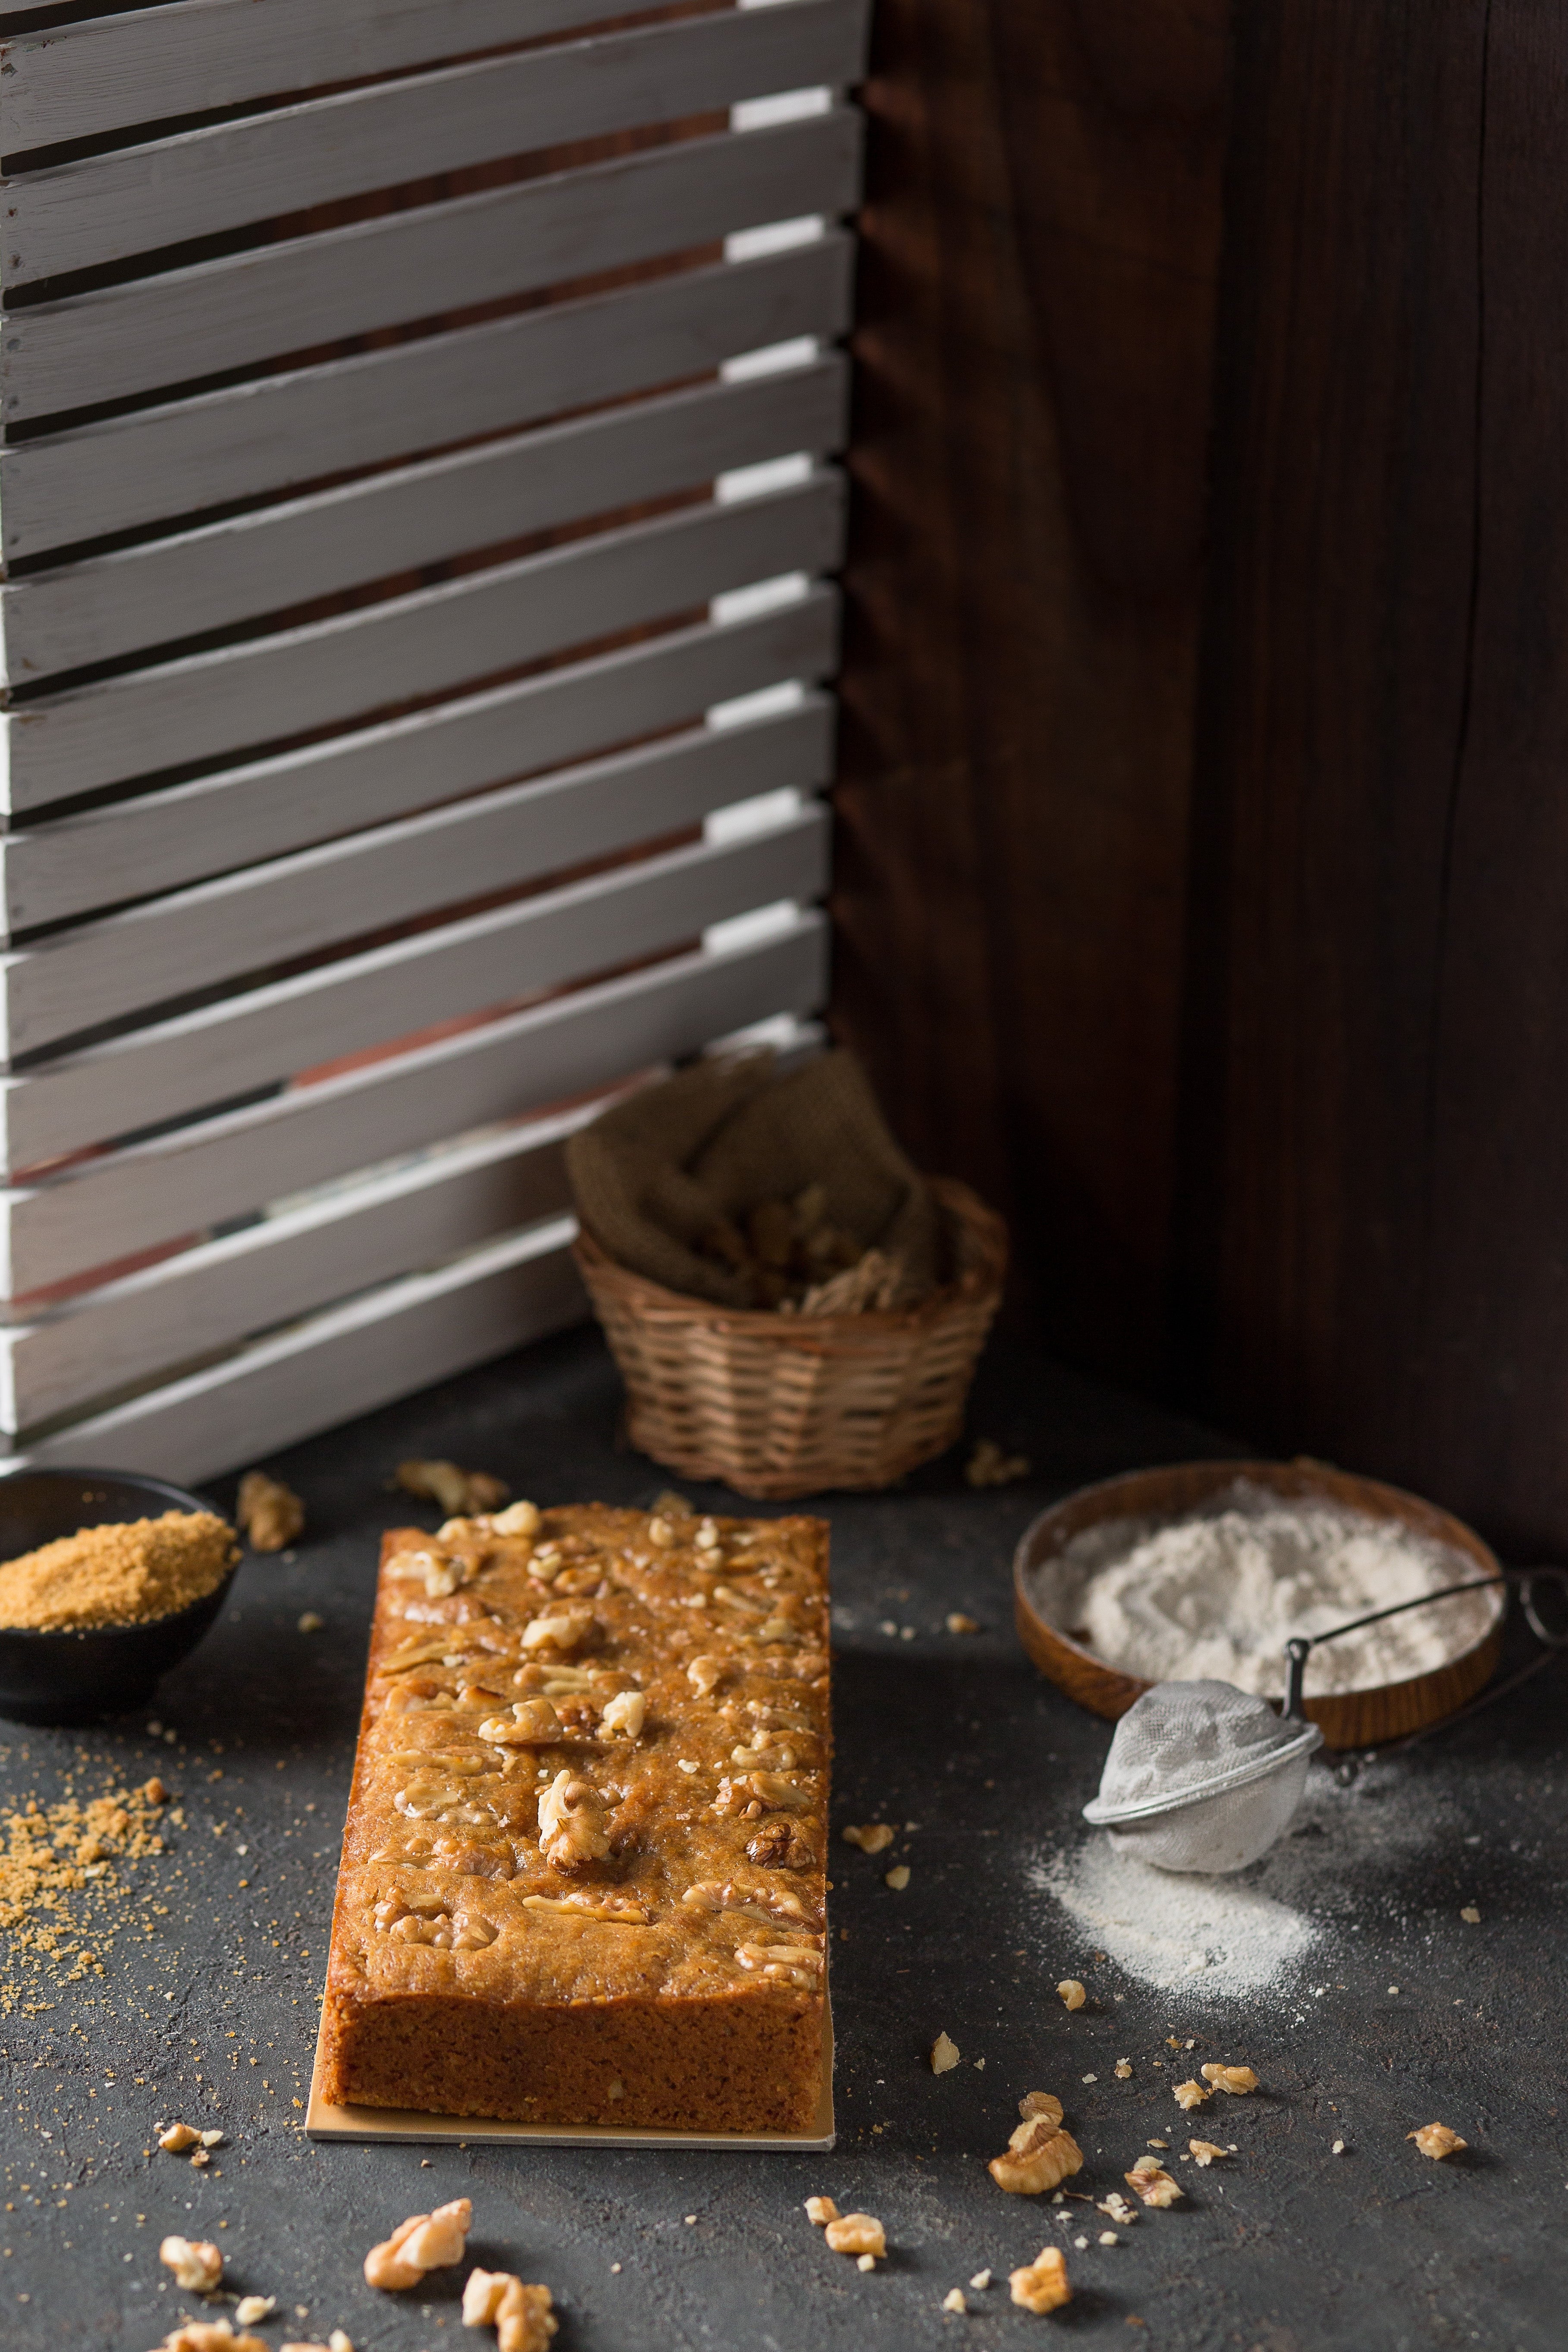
<point>77,614</point>
<point>151,465</point>
<point>261,304</point>
<point>192,1177</point>
<point>263,1035</point>
<point>107,208</point>
<point>176,946</point>
<point>224,1291</point>
<point>205,705</point>
<point>162,840</point>
<point>151,65</point>
<point>347,1361</point>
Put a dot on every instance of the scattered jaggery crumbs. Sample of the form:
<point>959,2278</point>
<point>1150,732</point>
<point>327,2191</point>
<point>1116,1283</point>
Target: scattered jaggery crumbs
<point>59,1884</point>
<point>123,1574</point>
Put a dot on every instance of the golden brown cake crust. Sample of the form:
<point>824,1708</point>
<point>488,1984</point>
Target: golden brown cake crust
<point>583,1873</point>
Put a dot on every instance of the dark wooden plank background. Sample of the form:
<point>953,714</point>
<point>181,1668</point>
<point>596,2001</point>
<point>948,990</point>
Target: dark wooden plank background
<point>1203,873</point>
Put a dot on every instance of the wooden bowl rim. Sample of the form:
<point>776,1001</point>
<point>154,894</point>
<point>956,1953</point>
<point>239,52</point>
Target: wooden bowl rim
<point>1116,1497</point>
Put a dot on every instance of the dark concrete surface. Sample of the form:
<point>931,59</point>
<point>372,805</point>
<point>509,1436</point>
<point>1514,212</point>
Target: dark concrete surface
<point>1287,2247</point>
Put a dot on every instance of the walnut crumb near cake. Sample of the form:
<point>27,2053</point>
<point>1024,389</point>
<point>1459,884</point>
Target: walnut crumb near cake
<point>583,1872</point>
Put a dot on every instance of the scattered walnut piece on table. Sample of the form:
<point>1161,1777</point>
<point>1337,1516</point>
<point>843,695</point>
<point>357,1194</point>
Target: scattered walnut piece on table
<point>1042,2285</point>
<point>1239,2080</point>
<point>153,1791</point>
<point>460,1492</point>
<point>821,2210</point>
<point>210,2336</point>
<point>1040,2154</point>
<point>857,2233</point>
<point>957,1622</point>
<point>1188,2095</point>
<point>943,2054</point>
<point>338,2341</point>
<point>989,1466</point>
<point>1117,2209</point>
<point>522,2316</point>
<point>1205,2151</point>
<point>955,2300</point>
<point>1470,1916</point>
<point>898,1878</point>
<point>1150,2181</point>
<point>1072,1993</point>
<point>252,2308</point>
<point>177,2137</point>
<point>197,2265</point>
<point>270,1513</point>
<point>874,1837</point>
<point>1437,2141</point>
<point>426,2242</point>
<point>981,2281</point>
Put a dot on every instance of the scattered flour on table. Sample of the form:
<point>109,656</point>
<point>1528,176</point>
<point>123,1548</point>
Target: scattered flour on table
<point>1217,1593</point>
<point>1207,1936</point>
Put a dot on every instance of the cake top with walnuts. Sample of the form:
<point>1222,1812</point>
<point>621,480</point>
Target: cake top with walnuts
<point>593,1759</point>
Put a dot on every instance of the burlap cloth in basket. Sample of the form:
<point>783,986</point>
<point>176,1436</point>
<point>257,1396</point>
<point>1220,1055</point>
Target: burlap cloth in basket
<point>652,1175</point>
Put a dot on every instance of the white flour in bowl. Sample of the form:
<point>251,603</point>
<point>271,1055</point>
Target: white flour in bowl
<point>1217,1593</point>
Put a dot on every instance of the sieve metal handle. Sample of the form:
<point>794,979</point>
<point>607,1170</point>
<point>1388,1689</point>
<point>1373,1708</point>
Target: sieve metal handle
<point>1300,1645</point>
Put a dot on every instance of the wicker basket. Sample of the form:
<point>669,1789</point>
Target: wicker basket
<point>779,1405</point>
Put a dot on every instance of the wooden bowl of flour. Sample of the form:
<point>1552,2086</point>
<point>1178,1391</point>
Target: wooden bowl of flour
<point>1047,1588</point>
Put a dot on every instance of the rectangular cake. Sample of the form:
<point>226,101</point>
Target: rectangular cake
<point>583,1872</point>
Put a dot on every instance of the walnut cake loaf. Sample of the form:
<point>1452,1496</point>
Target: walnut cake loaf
<point>583,1872</point>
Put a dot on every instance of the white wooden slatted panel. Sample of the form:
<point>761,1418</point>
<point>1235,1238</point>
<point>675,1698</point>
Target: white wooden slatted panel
<point>207,705</point>
<point>251,1039</point>
<point>151,65</point>
<point>107,208</point>
<point>77,614</point>
<point>394,1224</point>
<point>246,814</point>
<point>392,1340</point>
<point>255,306</point>
<point>153,464</point>
<point>192,1177</point>
<point>176,946</point>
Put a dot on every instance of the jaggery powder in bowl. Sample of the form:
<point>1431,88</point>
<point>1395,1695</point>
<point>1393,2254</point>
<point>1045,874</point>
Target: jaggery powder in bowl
<point>128,1572</point>
<point>108,1579</point>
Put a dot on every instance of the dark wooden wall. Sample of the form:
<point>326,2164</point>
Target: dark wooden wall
<point>1204,875</point>
<point>1036,332</point>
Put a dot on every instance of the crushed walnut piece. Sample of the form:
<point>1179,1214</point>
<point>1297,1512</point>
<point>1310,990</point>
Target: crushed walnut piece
<point>1123,2069</point>
<point>857,2233</point>
<point>957,1622</point>
<point>460,1492</point>
<point>1073,1995</point>
<point>943,2054</point>
<point>1040,2154</point>
<point>1206,2152</point>
<point>955,2300</point>
<point>197,2265</point>
<point>1437,2141</point>
<point>898,1878</point>
<point>210,2336</point>
<point>624,1714</point>
<point>338,2341</point>
<point>270,1513</point>
<point>875,1837</point>
<point>1237,2080</point>
<point>1188,2095</point>
<point>1117,2208</point>
<point>1150,2181</point>
<point>426,2242</point>
<point>571,1824</point>
<point>989,1466</point>
<point>705,1674</point>
<point>821,2210</point>
<point>252,2308</point>
<point>177,2137</point>
<point>522,2316</point>
<point>1042,2286</point>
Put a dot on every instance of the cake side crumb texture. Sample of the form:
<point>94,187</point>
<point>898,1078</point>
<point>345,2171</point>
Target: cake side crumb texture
<point>583,1874</point>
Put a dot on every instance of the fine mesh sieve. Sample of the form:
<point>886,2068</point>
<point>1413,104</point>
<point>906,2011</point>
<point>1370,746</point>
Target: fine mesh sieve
<point>1204,1777</point>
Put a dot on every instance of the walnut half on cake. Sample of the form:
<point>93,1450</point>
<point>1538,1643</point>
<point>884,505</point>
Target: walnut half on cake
<point>583,1872</point>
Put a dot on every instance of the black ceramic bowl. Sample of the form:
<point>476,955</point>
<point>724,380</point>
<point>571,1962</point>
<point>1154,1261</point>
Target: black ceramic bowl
<point>73,1677</point>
